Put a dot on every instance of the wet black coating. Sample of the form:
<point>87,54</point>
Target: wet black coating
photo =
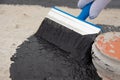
<point>37,59</point>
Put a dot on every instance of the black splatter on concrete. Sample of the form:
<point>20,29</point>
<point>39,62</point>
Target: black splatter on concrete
<point>37,59</point>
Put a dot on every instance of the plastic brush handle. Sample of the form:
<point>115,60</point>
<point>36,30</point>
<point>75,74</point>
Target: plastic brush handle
<point>85,12</point>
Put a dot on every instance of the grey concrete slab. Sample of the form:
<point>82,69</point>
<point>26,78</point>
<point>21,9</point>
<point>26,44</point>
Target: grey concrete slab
<point>50,3</point>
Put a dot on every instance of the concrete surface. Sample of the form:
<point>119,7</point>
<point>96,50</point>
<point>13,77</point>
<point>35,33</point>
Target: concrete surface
<point>44,3</point>
<point>18,22</point>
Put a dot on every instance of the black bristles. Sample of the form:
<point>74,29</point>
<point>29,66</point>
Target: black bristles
<point>66,39</point>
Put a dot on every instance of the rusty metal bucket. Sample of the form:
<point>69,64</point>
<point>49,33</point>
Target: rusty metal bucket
<point>106,55</point>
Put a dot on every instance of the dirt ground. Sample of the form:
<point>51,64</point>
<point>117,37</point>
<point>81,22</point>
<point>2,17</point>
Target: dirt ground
<point>19,22</point>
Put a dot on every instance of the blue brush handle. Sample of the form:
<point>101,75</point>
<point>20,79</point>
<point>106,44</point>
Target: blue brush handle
<point>85,12</point>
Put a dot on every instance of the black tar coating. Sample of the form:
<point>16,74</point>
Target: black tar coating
<point>109,28</point>
<point>77,45</point>
<point>36,59</point>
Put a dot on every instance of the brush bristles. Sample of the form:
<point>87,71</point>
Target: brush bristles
<point>66,39</point>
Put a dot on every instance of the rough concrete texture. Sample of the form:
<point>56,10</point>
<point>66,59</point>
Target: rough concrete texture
<point>18,22</point>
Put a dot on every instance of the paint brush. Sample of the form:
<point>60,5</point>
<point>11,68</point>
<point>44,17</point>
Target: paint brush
<point>70,33</point>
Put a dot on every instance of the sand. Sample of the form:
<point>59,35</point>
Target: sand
<point>19,22</point>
